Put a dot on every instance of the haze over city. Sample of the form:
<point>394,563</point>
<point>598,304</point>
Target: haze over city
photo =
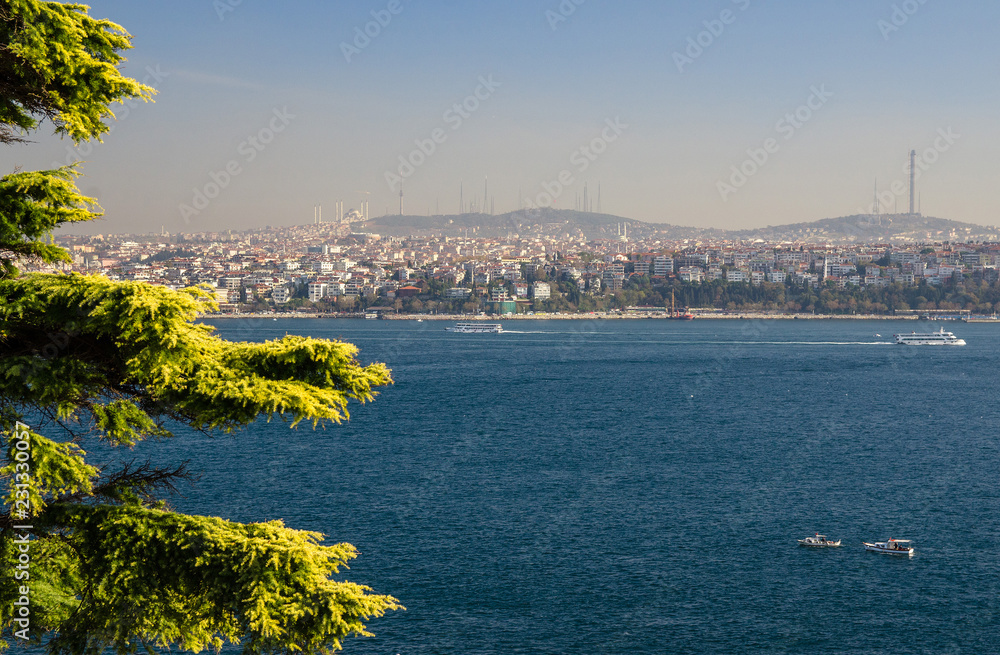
<point>730,114</point>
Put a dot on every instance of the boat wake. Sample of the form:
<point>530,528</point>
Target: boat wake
<point>799,343</point>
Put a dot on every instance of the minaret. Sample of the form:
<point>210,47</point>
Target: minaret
<point>400,198</point>
<point>913,156</point>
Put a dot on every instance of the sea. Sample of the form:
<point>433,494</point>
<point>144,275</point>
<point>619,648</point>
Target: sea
<point>639,486</point>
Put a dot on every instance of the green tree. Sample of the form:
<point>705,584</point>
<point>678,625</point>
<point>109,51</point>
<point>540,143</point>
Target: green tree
<point>84,360</point>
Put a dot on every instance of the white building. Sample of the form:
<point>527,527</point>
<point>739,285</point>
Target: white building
<point>317,291</point>
<point>663,266</point>
<point>691,274</point>
<point>736,276</point>
<point>457,293</point>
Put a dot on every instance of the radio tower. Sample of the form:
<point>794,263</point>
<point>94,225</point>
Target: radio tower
<point>913,157</point>
<point>876,205</point>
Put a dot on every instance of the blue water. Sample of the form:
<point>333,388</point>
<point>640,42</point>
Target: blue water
<point>639,486</point>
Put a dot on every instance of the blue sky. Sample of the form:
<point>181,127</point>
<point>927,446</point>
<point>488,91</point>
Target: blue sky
<point>892,75</point>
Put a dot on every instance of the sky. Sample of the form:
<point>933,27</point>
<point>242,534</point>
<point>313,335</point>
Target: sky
<point>719,113</point>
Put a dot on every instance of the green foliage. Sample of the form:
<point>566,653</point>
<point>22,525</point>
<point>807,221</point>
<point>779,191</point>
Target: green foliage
<point>55,470</point>
<point>34,203</point>
<point>111,567</point>
<point>59,63</point>
<point>196,582</point>
<point>56,63</point>
<point>130,356</point>
<point>129,341</point>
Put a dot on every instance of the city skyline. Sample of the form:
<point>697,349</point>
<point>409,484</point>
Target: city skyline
<point>730,114</point>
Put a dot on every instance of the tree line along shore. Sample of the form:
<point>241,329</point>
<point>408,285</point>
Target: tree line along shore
<point>642,295</point>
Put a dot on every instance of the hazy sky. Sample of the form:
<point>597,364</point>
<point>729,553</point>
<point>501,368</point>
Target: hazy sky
<point>668,98</point>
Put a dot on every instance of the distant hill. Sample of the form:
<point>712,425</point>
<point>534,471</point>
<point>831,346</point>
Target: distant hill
<point>528,222</point>
<point>897,228</point>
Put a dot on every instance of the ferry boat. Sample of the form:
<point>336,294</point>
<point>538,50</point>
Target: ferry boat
<point>476,328</point>
<point>819,541</point>
<point>939,338</point>
<point>891,547</point>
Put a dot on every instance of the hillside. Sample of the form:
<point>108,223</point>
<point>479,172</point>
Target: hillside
<point>529,222</point>
<point>898,228</point>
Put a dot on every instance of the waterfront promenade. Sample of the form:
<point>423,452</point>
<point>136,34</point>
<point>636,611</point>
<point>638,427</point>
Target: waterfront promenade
<point>576,316</point>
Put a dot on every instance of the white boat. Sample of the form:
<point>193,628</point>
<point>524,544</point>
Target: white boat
<point>939,338</point>
<point>891,547</point>
<point>819,541</point>
<point>476,328</point>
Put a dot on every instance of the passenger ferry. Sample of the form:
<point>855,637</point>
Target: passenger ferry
<point>939,338</point>
<point>476,328</point>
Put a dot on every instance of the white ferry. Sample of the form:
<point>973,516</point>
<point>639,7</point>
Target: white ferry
<point>891,547</point>
<point>939,338</point>
<point>476,328</point>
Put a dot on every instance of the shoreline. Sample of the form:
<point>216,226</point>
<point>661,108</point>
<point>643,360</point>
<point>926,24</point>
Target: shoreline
<point>574,317</point>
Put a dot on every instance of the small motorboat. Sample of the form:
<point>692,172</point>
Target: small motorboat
<point>891,547</point>
<point>819,541</point>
